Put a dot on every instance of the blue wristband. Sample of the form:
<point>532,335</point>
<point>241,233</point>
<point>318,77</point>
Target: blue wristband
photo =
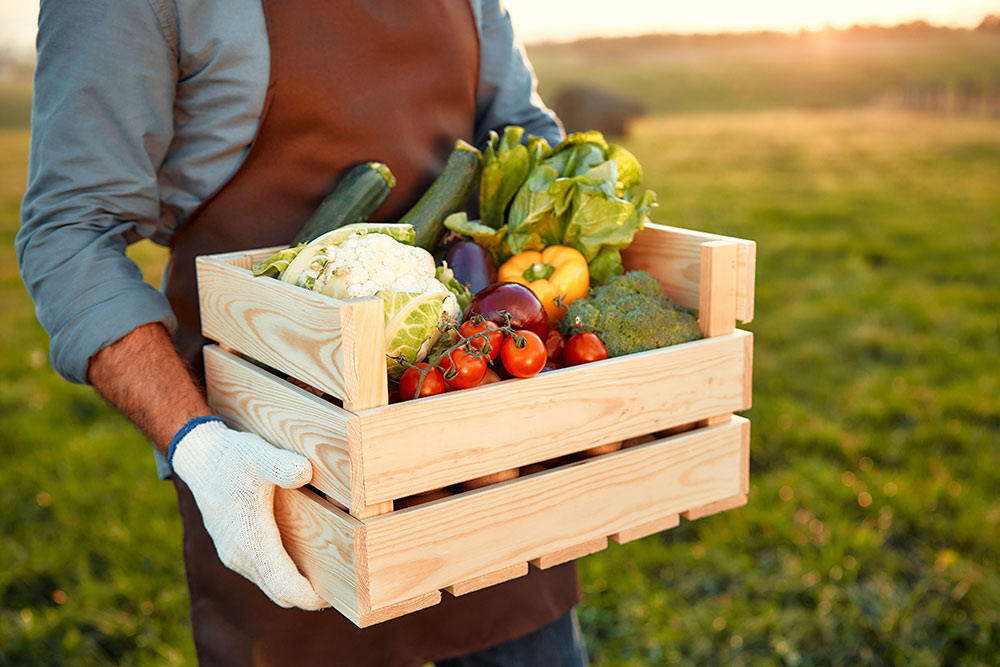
<point>187,428</point>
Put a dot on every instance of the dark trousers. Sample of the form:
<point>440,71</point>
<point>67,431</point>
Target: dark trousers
<point>558,644</point>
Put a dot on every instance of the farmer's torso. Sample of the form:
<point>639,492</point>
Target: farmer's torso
<point>349,82</point>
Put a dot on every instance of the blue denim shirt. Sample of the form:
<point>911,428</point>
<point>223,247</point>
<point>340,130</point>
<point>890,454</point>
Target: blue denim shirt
<point>142,109</point>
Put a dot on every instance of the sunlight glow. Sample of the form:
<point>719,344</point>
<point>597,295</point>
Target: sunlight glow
<point>567,19</point>
<point>538,20</point>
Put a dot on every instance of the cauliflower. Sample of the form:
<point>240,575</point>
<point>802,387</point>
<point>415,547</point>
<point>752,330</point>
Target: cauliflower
<point>366,260</point>
<point>359,261</point>
<point>630,314</point>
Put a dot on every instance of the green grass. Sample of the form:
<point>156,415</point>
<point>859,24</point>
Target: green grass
<point>873,530</point>
<point>15,104</point>
<point>829,69</point>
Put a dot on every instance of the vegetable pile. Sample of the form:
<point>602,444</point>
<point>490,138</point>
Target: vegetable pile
<point>535,284</point>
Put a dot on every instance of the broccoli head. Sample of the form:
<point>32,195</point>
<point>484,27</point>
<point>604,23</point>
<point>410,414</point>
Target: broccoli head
<point>631,313</point>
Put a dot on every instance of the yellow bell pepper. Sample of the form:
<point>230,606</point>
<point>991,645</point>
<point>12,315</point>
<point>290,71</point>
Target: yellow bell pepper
<point>556,272</point>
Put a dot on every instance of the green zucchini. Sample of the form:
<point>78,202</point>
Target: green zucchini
<point>448,194</point>
<point>357,195</point>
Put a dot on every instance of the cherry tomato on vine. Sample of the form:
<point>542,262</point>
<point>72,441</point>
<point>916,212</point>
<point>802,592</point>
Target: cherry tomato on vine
<point>584,347</point>
<point>477,325</point>
<point>433,382</point>
<point>462,369</point>
<point>554,345</point>
<point>523,354</point>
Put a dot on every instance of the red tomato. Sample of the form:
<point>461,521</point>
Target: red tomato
<point>490,377</point>
<point>584,347</point>
<point>477,325</point>
<point>523,354</point>
<point>433,382</point>
<point>462,369</point>
<point>554,345</point>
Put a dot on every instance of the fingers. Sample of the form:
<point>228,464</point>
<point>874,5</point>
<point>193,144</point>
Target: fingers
<point>280,579</point>
<point>282,467</point>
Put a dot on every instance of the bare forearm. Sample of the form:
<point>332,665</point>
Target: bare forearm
<point>143,376</point>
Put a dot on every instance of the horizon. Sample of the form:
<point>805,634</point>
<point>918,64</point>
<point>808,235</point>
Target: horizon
<point>570,20</point>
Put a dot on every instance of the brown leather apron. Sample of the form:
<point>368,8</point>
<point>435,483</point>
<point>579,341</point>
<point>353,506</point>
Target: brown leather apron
<point>350,82</point>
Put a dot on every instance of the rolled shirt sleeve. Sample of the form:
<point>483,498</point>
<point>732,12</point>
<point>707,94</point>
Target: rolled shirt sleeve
<point>507,93</point>
<point>101,124</point>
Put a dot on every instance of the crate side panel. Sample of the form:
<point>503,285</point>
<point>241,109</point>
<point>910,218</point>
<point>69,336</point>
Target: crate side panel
<point>288,328</point>
<point>518,422</point>
<point>322,541</point>
<point>284,415</point>
<point>673,255</point>
<point>245,259</point>
<point>455,539</point>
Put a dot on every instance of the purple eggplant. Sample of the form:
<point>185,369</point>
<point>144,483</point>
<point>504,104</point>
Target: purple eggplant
<point>471,264</point>
<point>526,311</point>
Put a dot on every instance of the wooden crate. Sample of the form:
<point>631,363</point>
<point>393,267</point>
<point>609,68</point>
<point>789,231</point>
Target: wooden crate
<point>374,560</point>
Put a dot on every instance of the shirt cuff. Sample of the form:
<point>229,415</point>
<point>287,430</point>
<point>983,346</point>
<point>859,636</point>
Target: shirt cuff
<point>107,319</point>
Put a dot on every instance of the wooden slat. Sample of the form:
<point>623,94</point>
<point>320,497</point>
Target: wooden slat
<point>646,529</point>
<point>284,415</point>
<point>717,293</point>
<point>550,415</point>
<point>490,579</point>
<point>363,331</point>
<point>567,554</point>
<point>708,509</point>
<point>322,541</point>
<point>428,547</point>
<point>399,609</point>
<point>748,371</point>
<point>245,259</point>
<point>369,511</point>
<point>673,255</point>
<point>292,329</point>
<point>745,458</point>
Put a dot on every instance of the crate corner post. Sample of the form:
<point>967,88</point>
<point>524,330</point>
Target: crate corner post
<point>363,352</point>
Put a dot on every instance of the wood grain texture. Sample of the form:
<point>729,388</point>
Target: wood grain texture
<point>717,293</point>
<point>399,609</point>
<point>429,547</point>
<point>747,372</point>
<point>708,509</point>
<point>363,334</point>
<point>322,541</point>
<point>490,579</point>
<point>673,255</point>
<point>646,529</point>
<point>245,259</point>
<point>253,400</point>
<point>567,554</point>
<point>371,510</point>
<point>745,458</point>
<point>294,330</point>
<point>406,448</point>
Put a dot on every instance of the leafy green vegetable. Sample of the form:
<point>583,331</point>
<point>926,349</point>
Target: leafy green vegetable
<point>411,325</point>
<point>583,193</point>
<point>278,262</point>
<point>446,277</point>
<point>505,165</point>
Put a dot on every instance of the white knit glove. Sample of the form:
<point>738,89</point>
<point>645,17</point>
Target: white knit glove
<point>232,477</point>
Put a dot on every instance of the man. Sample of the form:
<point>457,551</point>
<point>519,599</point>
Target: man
<point>219,125</point>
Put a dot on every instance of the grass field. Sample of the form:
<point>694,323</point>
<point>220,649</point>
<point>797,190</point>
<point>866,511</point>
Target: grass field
<point>873,530</point>
<point>828,69</point>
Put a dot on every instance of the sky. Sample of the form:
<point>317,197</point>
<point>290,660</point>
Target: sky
<point>538,20</point>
